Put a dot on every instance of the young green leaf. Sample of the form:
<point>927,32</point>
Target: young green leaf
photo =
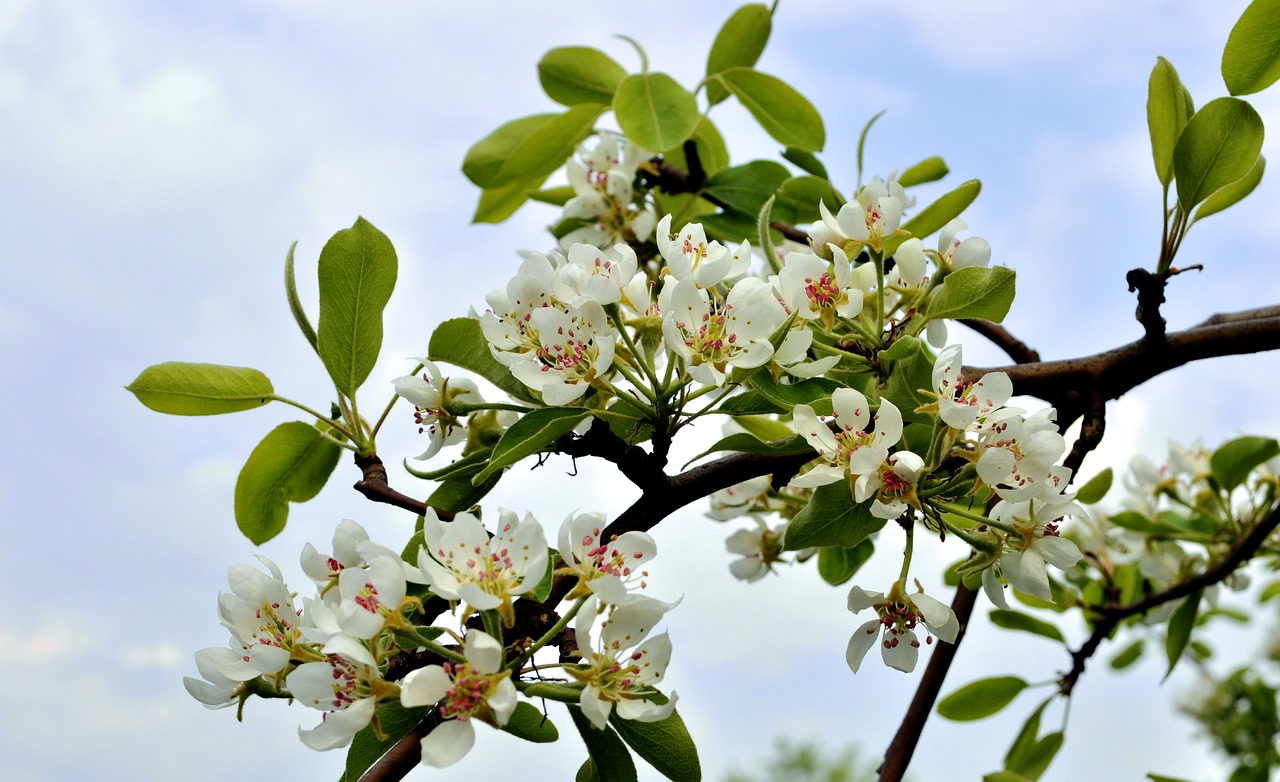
<point>533,432</point>
<point>1039,757</point>
<point>930,169</point>
<point>571,75</point>
<point>655,111</point>
<point>295,303</point>
<point>980,699</point>
<point>1251,59</point>
<point>528,723</point>
<point>1013,620</point>
<point>1004,775</point>
<point>530,146</point>
<point>357,275</point>
<point>1219,145</point>
<point>395,722</point>
<point>832,518</point>
<point>498,203</point>
<point>1095,489</point>
<point>800,196</point>
<point>806,162</point>
<point>456,493</point>
<point>556,196</point>
<point>1128,655</point>
<point>934,216</point>
<point>1179,632</point>
<point>1232,194</point>
<point>1234,460</point>
<point>291,464</point>
<point>742,442</point>
<point>783,113</point>
<point>747,187</point>
<point>740,42</point>
<point>459,341</point>
<point>974,292</point>
<point>1168,109</point>
<point>912,373</point>
<point>608,757</point>
<point>665,745</point>
<point>862,140</point>
<point>182,388</point>
<point>838,564</point>
<point>1026,739</point>
<point>1269,592</point>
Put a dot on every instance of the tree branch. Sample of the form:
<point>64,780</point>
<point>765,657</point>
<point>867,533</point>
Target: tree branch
<point>374,486</point>
<point>1113,615</point>
<point>998,335</point>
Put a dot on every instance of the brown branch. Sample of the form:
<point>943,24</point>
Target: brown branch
<point>998,335</point>
<point>374,486</point>
<point>1113,615</point>
<point>903,746</point>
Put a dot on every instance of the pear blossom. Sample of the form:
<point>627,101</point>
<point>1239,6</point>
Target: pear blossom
<point>573,349</point>
<point>793,355</point>
<point>911,263</point>
<point>814,288</point>
<point>710,335</point>
<point>430,394</point>
<point>871,217</point>
<point>223,673</point>
<point>960,402</point>
<point>758,549</point>
<point>1017,452</point>
<point>476,689</point>
<point>741,498</point>
<point>261,616</point>
<point>506,324</point>
<point>850,450</point>
<point>892,485</point>
<point>1035,542</point>
<point>605,568</point>
<point>690,256</point>
<point>956,254</point>
<point>897,614</point>
<point>344,690</point>
<point>602,178</point>
<point>599,275</point>
<point>324,570</point>
<point>618,678</point>
<point>461,562</point>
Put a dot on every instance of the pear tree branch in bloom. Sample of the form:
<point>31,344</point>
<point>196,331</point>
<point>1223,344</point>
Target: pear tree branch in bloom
<point>1110,615</point>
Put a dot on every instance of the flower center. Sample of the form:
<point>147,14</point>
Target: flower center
<point>469,693</point>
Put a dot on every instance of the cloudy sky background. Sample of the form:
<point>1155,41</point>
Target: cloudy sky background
<point>158,159</point>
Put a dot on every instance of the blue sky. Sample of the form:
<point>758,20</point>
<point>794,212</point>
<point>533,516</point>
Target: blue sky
<point>159,158</point>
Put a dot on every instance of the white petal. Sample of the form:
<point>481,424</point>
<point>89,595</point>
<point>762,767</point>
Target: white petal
<point>863,639</point>
<point>448,743</point>
<point>595,708</point>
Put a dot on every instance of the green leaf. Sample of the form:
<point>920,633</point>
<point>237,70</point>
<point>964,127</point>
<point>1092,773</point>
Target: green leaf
<point>1251,59</point>
<point>1013,620</point>
<point>746,188</point>
<point>608,756</point>
<point>805,161</point>
<point>764,428</point>
<point>1271,590</point>
<point>528,723</point>
<point>837,564</point>
<point>533,432</point>
<point>1234,460</point>
<point>459,341</point>
<point>1138,523</point>
<point>815,392</point>
<point>783,113</point>
<point>498,203</point>
<point>529,147</point>
<point>739,43</point>
<point>556,196</point>
<point>1168,109</point>
<point>1025,741</point>
<point>1162,778</point>
<point>1041,755</point>
<point>974,292</point>
<point>911,375</point>
<point>832,518</point>
<point>931,169</point>
<point>295,303</point>
<point>742,442</point>
<point>733,227</point>
<point>457,493</point>
<point>800,195</point>
<point>934,216</point>
<point>1232,194</point>
<point>571,75</point>
<point>181,388</point>
<point>357,275</point>
<point>665,745</point>
<point>862,140</point>
<point>1219,145</point>
<point>291,464</point>
<point>712,152</point>
<point>1179,633</point>
<point>396,722</point>
<point>1004,776</point>
<point>654,111</point>
<point>1095,489</point>
<point>981,699</point>
<point>1128,655</point>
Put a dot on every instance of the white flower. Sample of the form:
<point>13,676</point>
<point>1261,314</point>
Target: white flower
<point>871,217</point>
<point>261,616</point>
<point>605,568</point>
<point>850,450</point>
<point>461,562</point>
<point>712,335</point>
<point>690,256</point>
<point>892,484</point>
<point>325,570</point>
<point>814,288</point>
<point>223,672</point>
<point>957,254</point>
<point>793,355</point>
<point>602,179</point>
<point>740,498</point>
<point>1016,453</point>
<point>1034,543</point>
<point>573,349</point>
<point>341,688</point>
<point>616,677</point>
<point>960,402</point>
<point>478,688</point>
<point>593,274</point>
<point>506,324</point>
<point>758,549</point>
<point>431,393</point>
<point>897,614</point>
